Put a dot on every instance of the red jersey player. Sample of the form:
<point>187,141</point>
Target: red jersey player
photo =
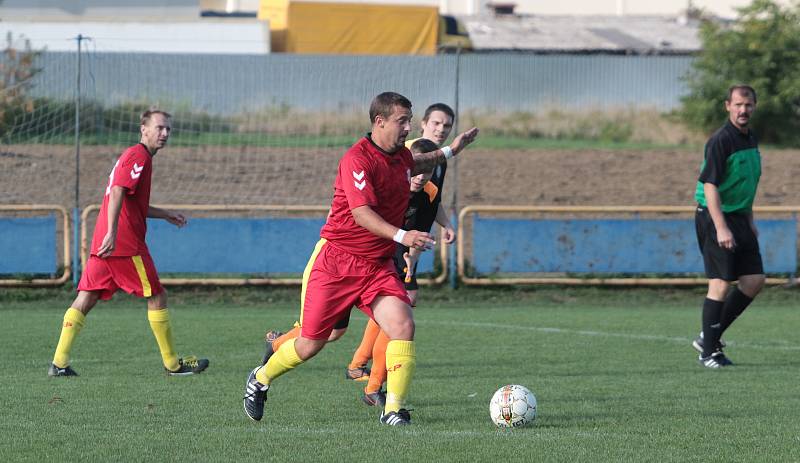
<point>352,262</point>
<point>119,256</point>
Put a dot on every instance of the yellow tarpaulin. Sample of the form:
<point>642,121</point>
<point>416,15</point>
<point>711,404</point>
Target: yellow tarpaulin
<point>357,29</point>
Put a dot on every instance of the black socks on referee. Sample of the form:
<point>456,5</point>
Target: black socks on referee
<point>735,304</point>
<point>719,315</point>
<point>712,313</point>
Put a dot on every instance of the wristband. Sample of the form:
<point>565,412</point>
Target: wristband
<point>398,237</point>
<point>448,152</point>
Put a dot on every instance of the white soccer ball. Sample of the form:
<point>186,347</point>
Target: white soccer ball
<point>512,406</point>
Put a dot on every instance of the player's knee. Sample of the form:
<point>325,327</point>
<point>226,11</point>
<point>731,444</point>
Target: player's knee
<point>158,301</point>
<point>85,301</point>
<point>403,330</point>
<point>751,285</point>
<point>307,348</point>
<point>336,334</point>
<point>717,289</point>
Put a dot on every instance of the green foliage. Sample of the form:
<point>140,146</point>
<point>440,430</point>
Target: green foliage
<point>762,49</point>
<point>43,120</point>
<point>16,74</point>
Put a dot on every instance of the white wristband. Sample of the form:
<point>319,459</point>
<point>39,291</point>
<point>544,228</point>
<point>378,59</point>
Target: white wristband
<point>448,152</point>
<point>398,237</point>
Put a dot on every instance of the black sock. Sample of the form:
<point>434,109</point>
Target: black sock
<point>735,304</point>
<point>712,312</point>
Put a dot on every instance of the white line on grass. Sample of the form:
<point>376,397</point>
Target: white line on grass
<point>489,431</point>
<point>780,344</point>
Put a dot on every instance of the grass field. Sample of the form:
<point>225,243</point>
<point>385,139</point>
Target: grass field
<point>612,369</point>
<point>486,141</point>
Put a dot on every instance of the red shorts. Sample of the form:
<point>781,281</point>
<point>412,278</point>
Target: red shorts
<point>133,274</point>
<point>335,281</point>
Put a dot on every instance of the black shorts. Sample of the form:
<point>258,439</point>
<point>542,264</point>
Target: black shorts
<point>400,266</point>
<point>343,323</point>
<point>744,259</point>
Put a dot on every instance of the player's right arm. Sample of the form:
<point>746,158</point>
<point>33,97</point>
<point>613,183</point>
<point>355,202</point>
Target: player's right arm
<point>115,196</point>
<point>448,232</point>
<point>714,206</point>
<point>712,175</point>
<point>425,162</point>
<point>366,217</point>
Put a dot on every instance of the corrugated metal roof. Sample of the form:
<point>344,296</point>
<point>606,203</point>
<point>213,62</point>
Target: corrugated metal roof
<point>576,34</point>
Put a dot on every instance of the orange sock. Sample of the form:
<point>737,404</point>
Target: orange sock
<point>364,351</point>
<point>291,334</point>
<point>377,374</point>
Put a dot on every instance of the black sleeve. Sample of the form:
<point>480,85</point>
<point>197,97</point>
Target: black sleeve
<point>439,182</point>
<point>410,220</point>
<point>716,156</point>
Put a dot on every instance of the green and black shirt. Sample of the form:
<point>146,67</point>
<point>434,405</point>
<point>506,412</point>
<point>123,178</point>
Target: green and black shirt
<point>732,162</point>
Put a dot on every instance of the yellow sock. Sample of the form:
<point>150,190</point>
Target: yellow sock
<point>283,360</point>
<point>401,360</point>
<point>73,322</point>
<point>159,323</point>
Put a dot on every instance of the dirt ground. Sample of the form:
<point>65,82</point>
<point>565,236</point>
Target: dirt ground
<point>32,174</point>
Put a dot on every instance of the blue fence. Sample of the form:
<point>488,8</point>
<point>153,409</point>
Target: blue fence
<point>272,245</point>
<point>611,246</point>
<point>263,245</point>
<point>28,245</point>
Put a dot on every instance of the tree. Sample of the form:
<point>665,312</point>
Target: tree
<point>762,49</point>
<point>17,69</point>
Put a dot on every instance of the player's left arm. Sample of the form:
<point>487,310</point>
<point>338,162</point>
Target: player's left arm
<point>411,257</point>
<point>425,162</point>
<point>448,232</point>
<point>175,218</point>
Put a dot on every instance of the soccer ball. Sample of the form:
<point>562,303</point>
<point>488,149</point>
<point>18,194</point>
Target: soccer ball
<point>512,406</point>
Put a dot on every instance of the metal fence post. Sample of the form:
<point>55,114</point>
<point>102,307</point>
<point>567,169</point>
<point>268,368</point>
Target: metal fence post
<point>451,264</point>
<point>76,260</point>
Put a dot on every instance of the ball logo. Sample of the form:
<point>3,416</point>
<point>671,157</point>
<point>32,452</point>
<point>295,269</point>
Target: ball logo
<point>512,406</point>
<point>506,410</point>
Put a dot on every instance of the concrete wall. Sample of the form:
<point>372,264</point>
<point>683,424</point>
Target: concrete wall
<point>99,10</point>
<point>224,36</point>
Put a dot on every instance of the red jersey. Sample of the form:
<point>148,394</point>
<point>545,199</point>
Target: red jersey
<point>132,171</point>
<point>368,176</point>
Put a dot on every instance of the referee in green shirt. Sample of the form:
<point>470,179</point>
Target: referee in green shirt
<point>726,233</point>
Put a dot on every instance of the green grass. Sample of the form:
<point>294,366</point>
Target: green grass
<point>485,140</point>
<point>489,141</point>
<point>612,369</point>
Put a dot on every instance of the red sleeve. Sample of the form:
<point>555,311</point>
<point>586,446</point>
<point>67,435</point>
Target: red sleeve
<point>409,158</point>
<point>130,169</point>
<point>357,180</point>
